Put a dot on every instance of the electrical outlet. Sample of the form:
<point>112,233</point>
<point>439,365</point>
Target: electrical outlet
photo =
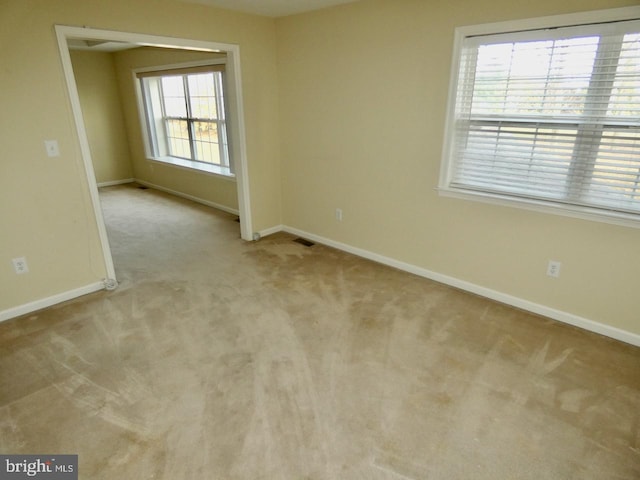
<point>20,265</point>
<point>339,214</point>
<point>553,268</point>
<point>53,150</point>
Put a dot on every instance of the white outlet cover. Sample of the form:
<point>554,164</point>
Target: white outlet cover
<point>553,268</point>
<point>53,150</point>
<point>20,265</point>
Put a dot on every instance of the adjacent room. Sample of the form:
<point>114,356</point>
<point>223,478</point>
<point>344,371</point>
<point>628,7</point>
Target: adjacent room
<point>382,239</point>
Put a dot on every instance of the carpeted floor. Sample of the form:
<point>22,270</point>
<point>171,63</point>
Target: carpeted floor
<point>220,359</point>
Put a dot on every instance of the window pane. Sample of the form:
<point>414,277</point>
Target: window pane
<point>178,138</point>
<point>616,175</point>
<point>625,96</point>
<point>174,97</point>
<point>202,94</point>
<point>185,116</point>
<point>517,158</point>
<point>534,78</point>
<point>206,140</point>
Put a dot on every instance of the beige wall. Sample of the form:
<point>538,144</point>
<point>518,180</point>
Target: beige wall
<point>95,77</point>
<point>364,90</point>
<point>44,203</point>
<point>215,189</point>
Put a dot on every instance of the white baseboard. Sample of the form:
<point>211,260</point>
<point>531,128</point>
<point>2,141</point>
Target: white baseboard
<point>565,317</point>
<point>49,301</point>
<point>270,231</point>
<point>116,182</point>
<point>189,197</point>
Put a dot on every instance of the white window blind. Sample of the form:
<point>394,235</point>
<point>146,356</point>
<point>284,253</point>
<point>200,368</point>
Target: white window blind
<point>551,115</point>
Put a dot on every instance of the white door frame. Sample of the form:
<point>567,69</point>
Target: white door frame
<point>236,118</point>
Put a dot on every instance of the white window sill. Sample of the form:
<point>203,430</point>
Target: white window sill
<point>210,169</point>
<point>575,211</point>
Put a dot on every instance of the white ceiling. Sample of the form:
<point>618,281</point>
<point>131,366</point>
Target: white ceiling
<point>271,8</point>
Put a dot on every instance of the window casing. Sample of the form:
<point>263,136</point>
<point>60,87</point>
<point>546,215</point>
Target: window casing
<point>185,117</point>
<point>548,118</point>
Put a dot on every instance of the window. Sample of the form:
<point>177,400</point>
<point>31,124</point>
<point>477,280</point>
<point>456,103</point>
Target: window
<point>184,112</point>
<point>549,117</point>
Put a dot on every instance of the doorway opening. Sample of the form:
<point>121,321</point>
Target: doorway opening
<point>67,36</point>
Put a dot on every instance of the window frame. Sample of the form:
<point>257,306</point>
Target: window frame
<point>226,169</point>
<point>445,188</point>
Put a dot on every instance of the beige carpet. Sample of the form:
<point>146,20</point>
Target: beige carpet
<point>220,359</point>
